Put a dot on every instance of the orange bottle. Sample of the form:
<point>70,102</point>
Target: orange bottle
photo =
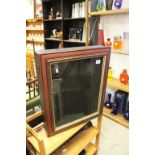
<point>124,78</point>
<point>108,42</point>
<point>117,45</point>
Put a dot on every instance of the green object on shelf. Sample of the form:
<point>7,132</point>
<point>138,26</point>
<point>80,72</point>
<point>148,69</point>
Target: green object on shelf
<point>30,104</point>
<point>100,5</point>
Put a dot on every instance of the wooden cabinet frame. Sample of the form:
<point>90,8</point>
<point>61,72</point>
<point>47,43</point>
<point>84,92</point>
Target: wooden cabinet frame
<point>43,61</point>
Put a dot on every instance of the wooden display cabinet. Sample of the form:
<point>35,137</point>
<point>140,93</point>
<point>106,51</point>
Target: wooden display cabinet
<point>65,23</point>
<point>72,82</point>
<point>73,139</point>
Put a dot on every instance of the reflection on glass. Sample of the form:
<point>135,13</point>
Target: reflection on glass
<point>76,87</point>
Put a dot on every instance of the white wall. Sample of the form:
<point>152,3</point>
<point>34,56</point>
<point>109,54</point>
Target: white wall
<point>29,9</point>
<point>115,25</point>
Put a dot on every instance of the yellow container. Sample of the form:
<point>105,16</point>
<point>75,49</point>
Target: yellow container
<point>109,73</point>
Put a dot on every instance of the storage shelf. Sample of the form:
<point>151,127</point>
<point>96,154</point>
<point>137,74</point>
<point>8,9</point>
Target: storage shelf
<point>78,18</point>
<point>76,145</point>
<point>116,84</point>
<point>34,30</point>
<point>31,117</point>
<point>90,149</point>
<point>74,41</point>
<point>38,41</point>
<point>119,118</point>
<point>108,12</point>
<point>52,20</point>
<point>54,142</point>
<point>34,20</point>
<point>120,52</point>
<point>53,39</point>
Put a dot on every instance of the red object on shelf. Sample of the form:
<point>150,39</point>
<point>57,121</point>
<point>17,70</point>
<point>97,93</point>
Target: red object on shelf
<point>124,78</point>
<point>101,35</point>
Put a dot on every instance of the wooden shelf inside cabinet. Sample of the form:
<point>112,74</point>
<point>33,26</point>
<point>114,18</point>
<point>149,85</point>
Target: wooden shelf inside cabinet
<point>52,20</point>
<point>74,41</point>
<point>117,118</point>
<point>116,84</point>
<point>90,149</point>
<point>53,39</point>
<point>108,12</point>
<point>76,145</point>
<point>79,18</point>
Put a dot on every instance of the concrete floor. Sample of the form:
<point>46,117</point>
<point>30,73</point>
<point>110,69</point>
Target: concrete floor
<point>114,138</point>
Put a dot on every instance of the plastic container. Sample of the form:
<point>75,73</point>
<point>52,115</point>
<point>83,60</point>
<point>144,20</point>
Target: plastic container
<point>124,78</point>
<point>109,73</point>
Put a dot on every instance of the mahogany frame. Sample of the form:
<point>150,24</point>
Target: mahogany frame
<point>43,62</point>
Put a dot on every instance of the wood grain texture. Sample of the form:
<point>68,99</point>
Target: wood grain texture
<point>76,145</point>
<point>53,142</point>
<point>121,11</point>
<point>34,20</point>
<point>33,116</point>
<point>90,149</point>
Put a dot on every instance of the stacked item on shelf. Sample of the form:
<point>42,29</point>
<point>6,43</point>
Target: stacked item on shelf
<point>37,47</point>
<point>67,30</point>
<point>35,27</point>
<point>35,37</point>
<point>34,33</point>
<point>121,43</point>
<point>79,9</point>
<point>112,5</point>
